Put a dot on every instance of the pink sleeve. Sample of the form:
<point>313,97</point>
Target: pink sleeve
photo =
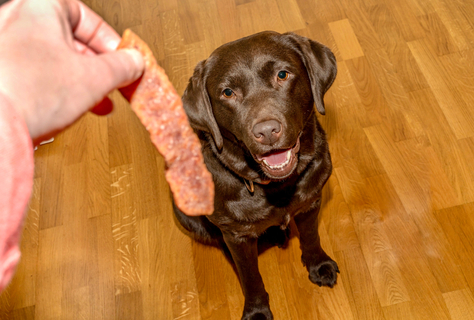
<point>16,182</point>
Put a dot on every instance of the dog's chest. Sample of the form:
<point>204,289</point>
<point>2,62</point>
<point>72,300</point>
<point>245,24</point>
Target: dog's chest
<point>249,214</point>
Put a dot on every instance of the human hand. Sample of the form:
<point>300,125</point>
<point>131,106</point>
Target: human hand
<point>57,61</point>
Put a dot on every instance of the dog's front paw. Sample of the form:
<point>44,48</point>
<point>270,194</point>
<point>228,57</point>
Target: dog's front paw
<point>324,273</point>
<point>258,315</point>
<point>257,311</point>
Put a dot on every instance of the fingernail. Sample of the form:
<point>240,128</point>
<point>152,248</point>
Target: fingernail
<point>137,59</point>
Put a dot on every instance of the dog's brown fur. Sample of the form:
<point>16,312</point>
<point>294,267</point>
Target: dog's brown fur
<point>228,128</point>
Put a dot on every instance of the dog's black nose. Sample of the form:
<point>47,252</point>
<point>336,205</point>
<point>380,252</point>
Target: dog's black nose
<point>267,132</point>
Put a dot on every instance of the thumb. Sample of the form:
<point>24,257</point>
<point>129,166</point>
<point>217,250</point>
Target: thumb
<point>112,70</point>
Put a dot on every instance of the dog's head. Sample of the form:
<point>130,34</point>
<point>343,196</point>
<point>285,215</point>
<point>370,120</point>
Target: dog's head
<point>258,93</point>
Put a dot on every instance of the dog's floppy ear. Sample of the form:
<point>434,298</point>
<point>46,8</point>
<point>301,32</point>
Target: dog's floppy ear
<point>320,63</point>
<point>198,106</point>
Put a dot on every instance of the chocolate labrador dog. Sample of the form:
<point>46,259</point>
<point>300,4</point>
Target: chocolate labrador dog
<point>252,105</point>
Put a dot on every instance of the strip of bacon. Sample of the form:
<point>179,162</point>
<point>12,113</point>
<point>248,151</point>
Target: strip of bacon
<point>159,108</point>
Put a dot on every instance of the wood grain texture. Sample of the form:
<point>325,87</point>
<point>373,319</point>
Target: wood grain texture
<point>100,240</point>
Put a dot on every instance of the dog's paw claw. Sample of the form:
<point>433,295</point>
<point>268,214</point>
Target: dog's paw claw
<point>324,274</point>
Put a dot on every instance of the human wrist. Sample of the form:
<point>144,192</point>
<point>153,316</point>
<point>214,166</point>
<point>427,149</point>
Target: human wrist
<point>15,110</point>
<point>17,171</point>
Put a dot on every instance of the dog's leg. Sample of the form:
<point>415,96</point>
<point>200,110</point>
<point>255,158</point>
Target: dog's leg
<point>322,269</point>
<point>245,256</point>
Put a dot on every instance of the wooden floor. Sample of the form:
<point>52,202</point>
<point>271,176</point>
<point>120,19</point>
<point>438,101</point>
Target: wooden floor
<point>100,241</point>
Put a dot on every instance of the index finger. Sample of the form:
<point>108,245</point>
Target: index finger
<point>90,29</point>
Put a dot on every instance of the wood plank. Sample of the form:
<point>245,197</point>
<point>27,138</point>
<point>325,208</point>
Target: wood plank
<point>121,15</point>
<point>403,178</point>
<point>211,290</point>
<point>376,247</point>
<point>49,280</point>
<point>191,28</point>
<point>403,122</point>
<point>460,304</point>
<point>228,19</point>
<point>184,283</point>
<point>333,303</point>
<point>119,132</point>
<point>453,25</point>
<point>406,68</point>
<point>129,306</point>
<point>399,311</point>
<point>457,73</point>
<point>371,96</point>
<point>361,293</point>
<point>454,165</point>
<point>346,39</point>
<point>406,18</point>
<point>329,11</point>
<point>295,282</point>
<point>437,35</point>
<point>308,11</point>
<point>155,289</point>
<point>385,25</point>
<point>124,232</point>
<point>239,2</point>
<point>213,33</point>
<point>338,220</point>
<point>20,294</point>
<point>426,301</point>
<point>359,17</point>
<point>461,14</point>
<point>97,167</point>
<point>455,221</point>
<point>258,16</point>
<point>27,313</point>
<point>291,15</point>
<point>268,266</point>
<point>101,261</point>
<point>175,62</point>
<point>167,5</point>
<point>454,108</point>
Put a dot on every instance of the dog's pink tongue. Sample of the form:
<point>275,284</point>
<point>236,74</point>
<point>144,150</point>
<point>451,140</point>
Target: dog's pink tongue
<point>275,158</point>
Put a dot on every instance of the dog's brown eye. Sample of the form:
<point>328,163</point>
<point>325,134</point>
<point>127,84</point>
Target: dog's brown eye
<point>283,75</point>
<point>228,93</point>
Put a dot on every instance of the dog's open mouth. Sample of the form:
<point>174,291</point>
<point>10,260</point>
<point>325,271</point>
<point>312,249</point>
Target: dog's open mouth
<point>279,164</point>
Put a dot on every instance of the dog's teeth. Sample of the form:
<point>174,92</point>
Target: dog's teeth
<point>279,166</point>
